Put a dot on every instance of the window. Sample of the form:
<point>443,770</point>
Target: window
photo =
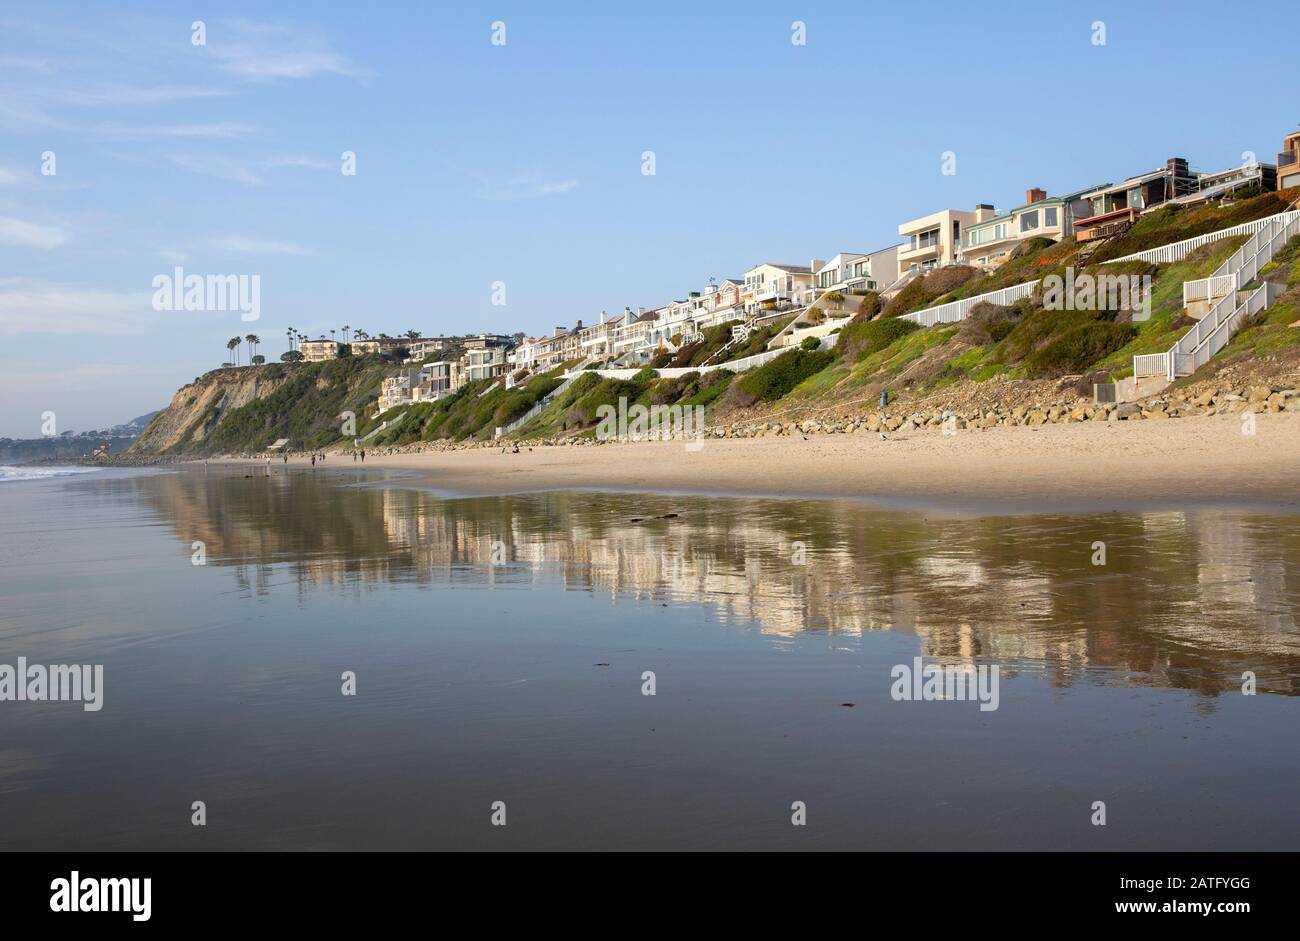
<point>1029,221</point>
<point>1049,217</point>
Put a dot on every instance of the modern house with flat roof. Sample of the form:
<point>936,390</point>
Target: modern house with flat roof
<point>935,240</point>
<point>873,271</point>
<point>831,275</point>
<point>315,351</point>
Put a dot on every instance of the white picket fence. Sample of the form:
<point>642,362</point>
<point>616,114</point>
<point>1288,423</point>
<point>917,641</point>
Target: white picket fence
<point>1177,251</point>
<point>954,311</point>
<point>569,379</point>
<point>1212,333</point>
<point>386,423</point>
<point>673,372</point>
<point>1243,265</point>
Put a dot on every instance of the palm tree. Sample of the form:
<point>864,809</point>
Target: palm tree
<point>345,332</point>
<point>253,340</point>
<point>413,334</point>
<point>289,333</point>
<point>233,345</point>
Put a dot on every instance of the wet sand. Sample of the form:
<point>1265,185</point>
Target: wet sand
<point>1075,467</point>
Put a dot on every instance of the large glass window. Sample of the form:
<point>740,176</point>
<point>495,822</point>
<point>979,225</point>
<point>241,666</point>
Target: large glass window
<point>1049,217</point>
<point>1029,221</point>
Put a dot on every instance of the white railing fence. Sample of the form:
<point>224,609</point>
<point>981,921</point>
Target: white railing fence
<point>1243,265</point>
<point>1212,333</point>
<point>954,311</point>
<point>1177,251</point>
<point>569,379</point>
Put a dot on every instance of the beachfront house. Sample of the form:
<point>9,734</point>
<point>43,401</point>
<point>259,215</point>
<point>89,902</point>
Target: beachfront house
<point>834,274</point>
<point>771,286</point>
<point>597,340</point>
<point>935,240</point>
<point>989,243</point>
<point>872,271</point>
<point>316,351</point>
<point>1114,208</point>
<point>1288,162</point>
<point>487,362</point>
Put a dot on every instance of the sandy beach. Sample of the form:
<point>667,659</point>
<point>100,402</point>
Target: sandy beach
<point>1065,467</point>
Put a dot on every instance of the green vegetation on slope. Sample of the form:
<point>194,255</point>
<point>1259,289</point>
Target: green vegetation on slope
<point>305,408</point>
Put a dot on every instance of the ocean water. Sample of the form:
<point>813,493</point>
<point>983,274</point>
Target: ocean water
<point>10,472</point>
<point>502,650</point>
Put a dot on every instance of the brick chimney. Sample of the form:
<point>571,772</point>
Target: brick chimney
<point>1035,195</point>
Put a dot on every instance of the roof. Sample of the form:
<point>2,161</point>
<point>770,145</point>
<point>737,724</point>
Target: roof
<point>1135,181</point>
<point>797,269</point>
<point>1097,220</point>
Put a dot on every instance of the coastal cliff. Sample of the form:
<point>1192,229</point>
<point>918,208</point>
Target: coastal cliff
<point>237,410</point>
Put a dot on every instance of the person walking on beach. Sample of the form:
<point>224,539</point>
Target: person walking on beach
<point>363,455</point>
<point>313,461</point>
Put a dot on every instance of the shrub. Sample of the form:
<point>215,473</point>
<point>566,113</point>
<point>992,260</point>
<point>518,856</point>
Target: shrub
<point>810,343</point>
<point>977,328</point>
<point>921,291</point>
<point>1040,327</point>
<point>870,305</point>
<point>863,337</point>
<point>1078,348</point>
<point>999,331</point>
<point>773,380</point>
<point>815,316</point>
<point>645,375</point>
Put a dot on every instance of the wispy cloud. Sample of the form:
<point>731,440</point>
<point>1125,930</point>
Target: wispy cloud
<point>241,170</point>
<point>132,95</point>
<point>223,168</point>
<point>308,163</point>
<point>221,129</point>
<point>28,306</point>
<point>29,234</point>
<point>251,246</point>
<point>266,52</point>
<point>531,185</point>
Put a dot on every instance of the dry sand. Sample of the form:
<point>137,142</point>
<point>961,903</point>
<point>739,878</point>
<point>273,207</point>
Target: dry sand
<point>1084,466</point>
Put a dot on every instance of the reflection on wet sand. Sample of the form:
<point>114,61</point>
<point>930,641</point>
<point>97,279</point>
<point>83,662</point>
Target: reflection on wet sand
<point>1185,600</point>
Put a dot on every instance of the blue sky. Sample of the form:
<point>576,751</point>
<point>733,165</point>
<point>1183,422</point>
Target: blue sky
<point>522,163</point>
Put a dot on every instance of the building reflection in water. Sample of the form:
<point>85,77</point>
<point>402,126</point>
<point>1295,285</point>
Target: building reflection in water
<point>1185,600</point>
